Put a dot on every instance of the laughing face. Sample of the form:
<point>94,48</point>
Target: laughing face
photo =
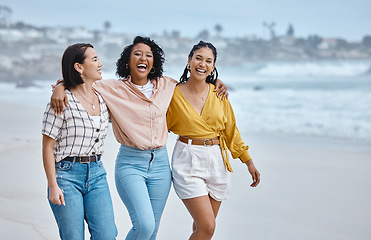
<point>202,63</point>
<point>141,62</point>
<point>91,68</point>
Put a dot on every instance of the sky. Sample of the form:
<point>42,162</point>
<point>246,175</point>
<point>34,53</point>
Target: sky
<point>347,19</point>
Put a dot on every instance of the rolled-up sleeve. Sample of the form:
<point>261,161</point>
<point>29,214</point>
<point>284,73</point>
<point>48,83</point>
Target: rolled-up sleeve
<point>52,123</point>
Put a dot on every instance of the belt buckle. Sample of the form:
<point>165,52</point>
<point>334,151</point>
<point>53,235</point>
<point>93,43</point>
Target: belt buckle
<point>207,140</point>
<point>82,161</point>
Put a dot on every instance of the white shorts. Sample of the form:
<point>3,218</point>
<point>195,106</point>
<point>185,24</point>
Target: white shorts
<point>198,171</point>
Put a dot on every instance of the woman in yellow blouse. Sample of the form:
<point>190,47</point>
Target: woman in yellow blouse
<point>206,127</point>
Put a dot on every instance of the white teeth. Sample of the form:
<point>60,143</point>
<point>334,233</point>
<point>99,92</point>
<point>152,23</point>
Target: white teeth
<point>142,65</point>
<point>201,71</point>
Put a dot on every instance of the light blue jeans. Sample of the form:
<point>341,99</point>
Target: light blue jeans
<point>88,198</point>
<point>143,181</point>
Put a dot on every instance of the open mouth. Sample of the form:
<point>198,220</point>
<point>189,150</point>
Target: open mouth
<point>200,71</point>
<point>142,67</point>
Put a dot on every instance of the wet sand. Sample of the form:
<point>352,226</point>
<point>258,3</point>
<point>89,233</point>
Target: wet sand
<point>312,188</point>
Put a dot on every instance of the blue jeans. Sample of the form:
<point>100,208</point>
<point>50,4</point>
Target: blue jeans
<point>143,181</point>
<point>87,196</point>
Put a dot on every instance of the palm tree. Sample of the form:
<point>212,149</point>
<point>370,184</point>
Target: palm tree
<point>107,26</point>
<point>218,29</point>
<point>270,27</point>
<point>290,31</point>
<point>5,14</point>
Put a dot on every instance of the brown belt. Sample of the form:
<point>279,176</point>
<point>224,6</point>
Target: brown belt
<point>198,141</point>
<point>83,159</point>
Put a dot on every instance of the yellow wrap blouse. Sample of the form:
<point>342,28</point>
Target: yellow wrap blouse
<point>216,120</point>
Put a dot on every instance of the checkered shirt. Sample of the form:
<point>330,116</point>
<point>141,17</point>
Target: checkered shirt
<point>74,130</point>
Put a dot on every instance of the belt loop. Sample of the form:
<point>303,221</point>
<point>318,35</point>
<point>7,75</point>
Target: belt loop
<point>74,160</point>
<point>189,141</point>
<point>96,157</point>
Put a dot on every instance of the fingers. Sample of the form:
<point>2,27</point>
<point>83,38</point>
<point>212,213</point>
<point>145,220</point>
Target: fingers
<point>54,105</point>
<point>255,178</point>
<point>226,94</point>
<point>222,91</point>
<point>55,200</point>
<point>66,102</point>
<point>60,105</point>
<point>59,200</point>
<point>61,197</point>
<point>254,173</point>
<point>57,106</point>
<point>223,94</point>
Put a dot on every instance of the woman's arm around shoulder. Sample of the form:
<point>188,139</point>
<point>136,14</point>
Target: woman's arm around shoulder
<point>59,100</point>
<point>221,89</point>
<point>170,80</point>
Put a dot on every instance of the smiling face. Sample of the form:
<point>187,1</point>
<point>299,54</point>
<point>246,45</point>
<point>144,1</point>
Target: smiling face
<point>90,70</point>
<point>201,64</point>
<point>141,62</point>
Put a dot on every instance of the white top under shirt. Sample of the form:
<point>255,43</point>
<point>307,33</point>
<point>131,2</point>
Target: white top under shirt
<point>96,120</point>
<point>146,89</point>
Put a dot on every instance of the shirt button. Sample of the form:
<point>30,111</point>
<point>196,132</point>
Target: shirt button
<point>96,140</point>
<point>97,130</point>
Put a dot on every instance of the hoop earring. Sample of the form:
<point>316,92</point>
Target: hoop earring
<point>188,67</point>
<point>127,66</point>
<point>154,70</point>
<point>212,74</point>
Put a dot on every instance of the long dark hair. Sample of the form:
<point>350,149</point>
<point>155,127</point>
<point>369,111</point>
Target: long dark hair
<point>73,54</point>
<point>214,74</point>
<point>158,58</point>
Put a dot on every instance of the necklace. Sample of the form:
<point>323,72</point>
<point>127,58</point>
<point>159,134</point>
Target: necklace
<point>91,103</point>
<point>203,95</point>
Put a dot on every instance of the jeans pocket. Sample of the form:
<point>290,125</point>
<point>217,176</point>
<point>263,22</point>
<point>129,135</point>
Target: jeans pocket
<point>63,166</point>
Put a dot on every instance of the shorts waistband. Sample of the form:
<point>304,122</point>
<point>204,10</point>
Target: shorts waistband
<point>198,141</point>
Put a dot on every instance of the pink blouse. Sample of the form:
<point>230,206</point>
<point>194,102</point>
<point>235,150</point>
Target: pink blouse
<point>136,120</point>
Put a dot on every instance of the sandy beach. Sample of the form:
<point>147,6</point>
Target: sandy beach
<point>311,188</point>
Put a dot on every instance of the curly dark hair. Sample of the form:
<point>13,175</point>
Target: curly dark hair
<point>158,58</point>
<point>214,74</point>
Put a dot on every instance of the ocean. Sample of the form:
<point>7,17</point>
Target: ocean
<point>320,98</point>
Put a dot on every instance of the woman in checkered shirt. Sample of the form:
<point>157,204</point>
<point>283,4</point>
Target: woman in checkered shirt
<point>72,147</point>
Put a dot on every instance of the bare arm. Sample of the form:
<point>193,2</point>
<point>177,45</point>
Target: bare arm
<point>55,193</point>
